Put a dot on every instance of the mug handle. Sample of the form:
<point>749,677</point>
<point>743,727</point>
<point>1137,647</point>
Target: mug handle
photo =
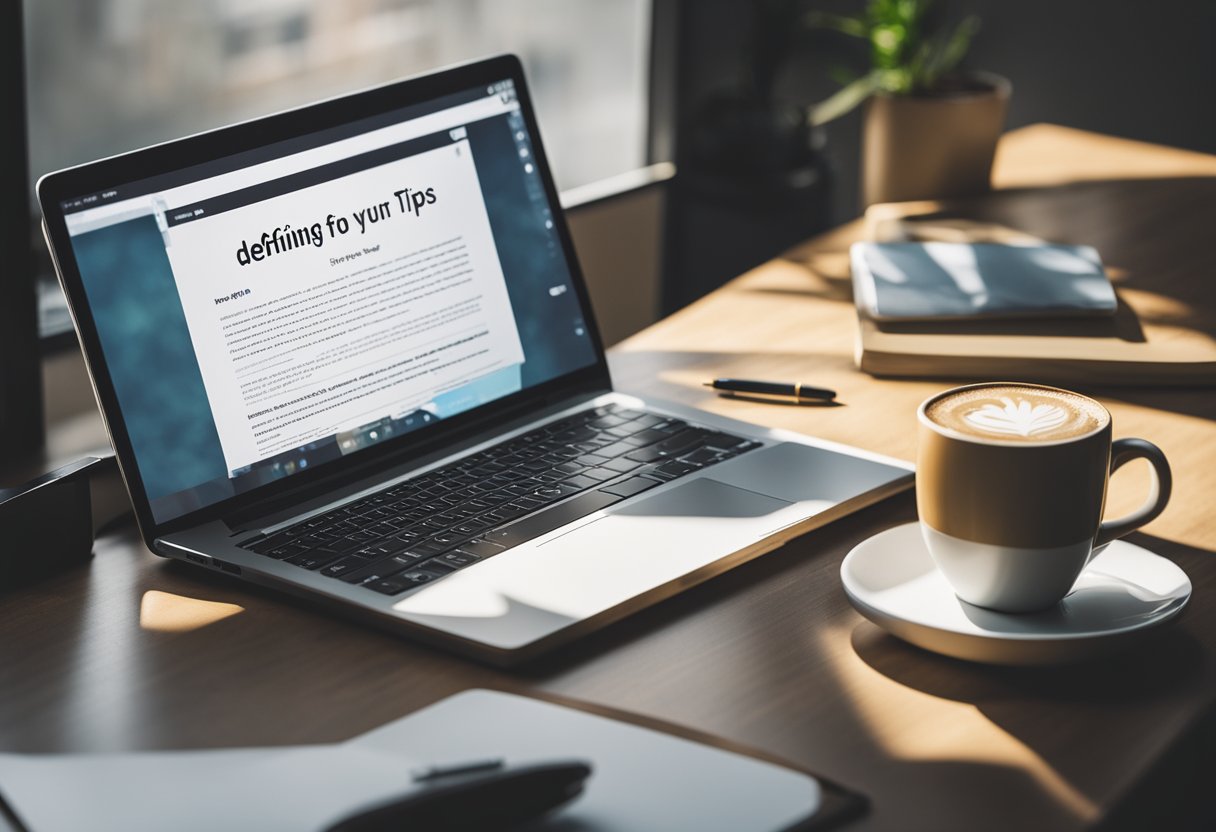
<point>1123,451</point>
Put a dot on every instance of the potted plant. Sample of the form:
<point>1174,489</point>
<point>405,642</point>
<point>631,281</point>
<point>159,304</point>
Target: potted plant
<point>930,130</point>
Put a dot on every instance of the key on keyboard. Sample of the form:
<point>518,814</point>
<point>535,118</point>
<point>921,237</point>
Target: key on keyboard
<point>419,530</point>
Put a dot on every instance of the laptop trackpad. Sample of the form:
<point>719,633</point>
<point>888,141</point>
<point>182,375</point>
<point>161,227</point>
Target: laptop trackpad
<point>702,497</point>
<point>633,548</point>
<point>537,589</point>
<point>817,478</point>
<point>650,542</point>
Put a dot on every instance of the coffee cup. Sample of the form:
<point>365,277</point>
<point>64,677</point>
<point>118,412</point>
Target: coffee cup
<point>1010,487</point>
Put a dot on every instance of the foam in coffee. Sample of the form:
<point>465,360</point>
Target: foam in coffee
<point>1018,413</point>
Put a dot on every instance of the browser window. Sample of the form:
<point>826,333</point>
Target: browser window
<point>278,310</point>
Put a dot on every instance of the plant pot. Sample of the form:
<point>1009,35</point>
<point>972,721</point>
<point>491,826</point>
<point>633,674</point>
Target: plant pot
<point>933,146</point>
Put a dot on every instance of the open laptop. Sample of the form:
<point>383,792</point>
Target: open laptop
<point>347,351</point>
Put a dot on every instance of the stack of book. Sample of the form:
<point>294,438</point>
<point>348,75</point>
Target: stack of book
<point>941,295</point>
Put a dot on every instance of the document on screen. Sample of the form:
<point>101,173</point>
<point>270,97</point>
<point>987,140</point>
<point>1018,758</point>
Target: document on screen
<point>328,307</point>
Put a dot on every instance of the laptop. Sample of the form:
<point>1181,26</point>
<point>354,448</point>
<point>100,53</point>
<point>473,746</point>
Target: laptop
<point>347,351</point>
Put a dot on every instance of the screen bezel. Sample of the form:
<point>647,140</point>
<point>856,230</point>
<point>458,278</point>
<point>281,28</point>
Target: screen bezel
<point>54,188</point>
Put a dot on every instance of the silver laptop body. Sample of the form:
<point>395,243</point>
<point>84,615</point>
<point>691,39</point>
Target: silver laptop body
<point>327,344</point>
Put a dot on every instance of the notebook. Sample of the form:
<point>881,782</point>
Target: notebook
<point>1136,345</point>
<point>931,281</point>
<point>641,778</point>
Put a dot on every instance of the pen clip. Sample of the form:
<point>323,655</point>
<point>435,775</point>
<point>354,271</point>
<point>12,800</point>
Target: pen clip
<point>437,772</point>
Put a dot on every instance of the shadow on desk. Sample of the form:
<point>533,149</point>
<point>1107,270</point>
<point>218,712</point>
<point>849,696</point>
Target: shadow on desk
<point>1141,685</point>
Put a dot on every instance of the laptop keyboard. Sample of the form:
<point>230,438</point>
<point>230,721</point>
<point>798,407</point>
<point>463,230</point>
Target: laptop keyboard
<point>427,527</point>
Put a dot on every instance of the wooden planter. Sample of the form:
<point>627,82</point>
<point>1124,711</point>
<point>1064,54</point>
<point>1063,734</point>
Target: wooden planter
<point>933,146</point>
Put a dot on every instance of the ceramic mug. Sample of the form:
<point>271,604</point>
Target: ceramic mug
<point>1010,487</point>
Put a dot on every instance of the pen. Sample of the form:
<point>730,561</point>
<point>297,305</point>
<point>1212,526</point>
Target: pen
<point>796,390</point>
<point>485,794</point>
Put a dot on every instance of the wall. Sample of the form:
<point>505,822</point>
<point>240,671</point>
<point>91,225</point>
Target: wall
<point>1140,70</point>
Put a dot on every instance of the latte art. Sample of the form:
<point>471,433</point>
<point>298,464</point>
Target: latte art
<point>1020,418</point>
<point>1021,413</point>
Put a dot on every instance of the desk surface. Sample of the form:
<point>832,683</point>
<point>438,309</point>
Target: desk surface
<point>135,652</point>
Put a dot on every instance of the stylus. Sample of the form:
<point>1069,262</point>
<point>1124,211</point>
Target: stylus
<point>481,795</point>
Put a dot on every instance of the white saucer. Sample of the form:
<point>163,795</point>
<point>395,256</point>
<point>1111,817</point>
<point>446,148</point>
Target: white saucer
<point>1123,593</point>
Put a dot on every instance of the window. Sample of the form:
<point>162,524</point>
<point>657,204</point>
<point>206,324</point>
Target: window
<point>111,75</point>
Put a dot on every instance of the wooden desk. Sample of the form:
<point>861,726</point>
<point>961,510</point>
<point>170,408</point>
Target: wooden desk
<point>137,653</point>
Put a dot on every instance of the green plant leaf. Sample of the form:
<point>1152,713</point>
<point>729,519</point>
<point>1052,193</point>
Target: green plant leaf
<point>898,81</point>
<point>889,41</point>
<point>941,55</point>
<point>842,75</point>
<point>853,26</point>
<point>919,69</point>
<point>910,50</point>
<point>957,45</point>
<point>842,101</point>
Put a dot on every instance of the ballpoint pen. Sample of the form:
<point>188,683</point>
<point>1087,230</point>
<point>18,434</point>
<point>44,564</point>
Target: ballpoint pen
<point>779,389</point>
<point>482,795</point>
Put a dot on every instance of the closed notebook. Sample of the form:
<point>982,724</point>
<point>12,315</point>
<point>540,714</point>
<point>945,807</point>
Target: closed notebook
<point>934,281</point>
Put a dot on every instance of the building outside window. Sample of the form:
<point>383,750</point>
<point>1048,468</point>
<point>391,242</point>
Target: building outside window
<point>106,76</point>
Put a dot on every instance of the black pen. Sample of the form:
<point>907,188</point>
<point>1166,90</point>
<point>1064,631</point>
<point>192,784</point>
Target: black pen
<point>785,390</point>
<point>485,794</point>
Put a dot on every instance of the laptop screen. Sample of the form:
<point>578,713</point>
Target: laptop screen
<point>271,312</point>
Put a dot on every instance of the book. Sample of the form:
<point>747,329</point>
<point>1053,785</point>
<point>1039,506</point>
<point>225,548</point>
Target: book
<point>1134,346</point>
<point>935,280</point>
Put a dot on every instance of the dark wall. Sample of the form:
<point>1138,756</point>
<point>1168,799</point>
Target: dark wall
<point>725,212</point>
<point>1143,70</point>
<point>1138,69</point>
<point>20,373</point>
<point>1133,68</point>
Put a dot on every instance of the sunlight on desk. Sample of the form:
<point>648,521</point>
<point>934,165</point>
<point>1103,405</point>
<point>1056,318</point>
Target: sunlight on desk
<point>913,729</point>
<point>164,612</point>
<point>1156,307</point>
<point>1048,154</point>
